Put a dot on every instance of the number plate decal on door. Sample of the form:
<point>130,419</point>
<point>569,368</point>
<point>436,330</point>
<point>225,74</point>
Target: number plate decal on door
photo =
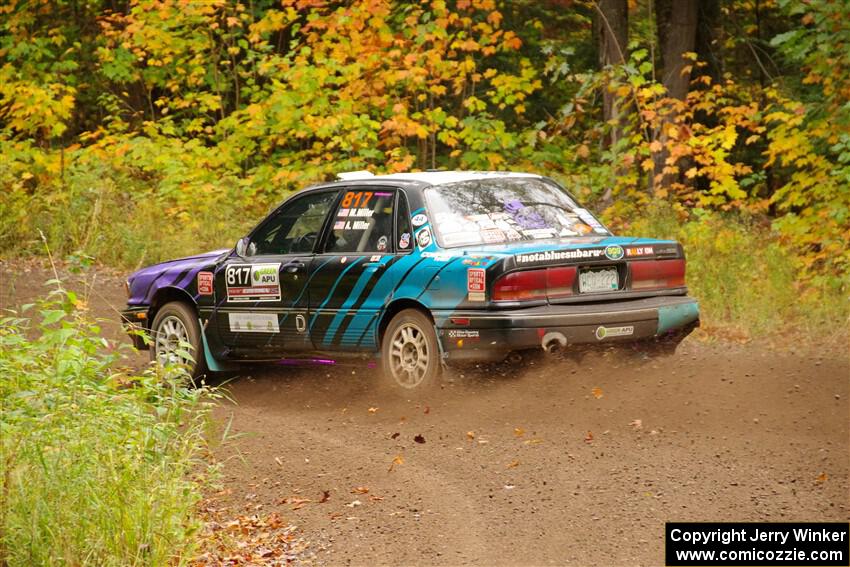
<point>252,282</point>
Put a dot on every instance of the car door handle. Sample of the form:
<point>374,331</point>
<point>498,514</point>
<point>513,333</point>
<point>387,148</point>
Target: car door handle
<point>293,267</point>
<point>376,265</point>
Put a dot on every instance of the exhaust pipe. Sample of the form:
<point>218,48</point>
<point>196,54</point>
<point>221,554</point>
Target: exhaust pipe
<point>553,342</point>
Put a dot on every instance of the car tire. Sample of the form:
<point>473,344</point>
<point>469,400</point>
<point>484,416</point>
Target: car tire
<point>410,353</point>
<point>176,322</point>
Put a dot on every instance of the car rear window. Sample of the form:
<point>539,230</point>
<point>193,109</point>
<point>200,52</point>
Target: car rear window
<point>497,211</point>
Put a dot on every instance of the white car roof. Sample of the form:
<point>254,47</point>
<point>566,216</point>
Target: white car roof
<point>438,177</point>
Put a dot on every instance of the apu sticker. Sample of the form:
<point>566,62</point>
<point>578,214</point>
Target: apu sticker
<point>602,332</point>
<point>205,283</point>
<point>423,237</point>
<point>419,220</point>
<point>476,284</point>
<point>252,282</point>
<point>253,323</point>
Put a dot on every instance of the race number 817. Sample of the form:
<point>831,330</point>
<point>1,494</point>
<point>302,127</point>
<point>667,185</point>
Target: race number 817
<point>238,275</point>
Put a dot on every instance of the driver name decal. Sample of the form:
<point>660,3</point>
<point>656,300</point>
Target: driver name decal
<point>252,282</point>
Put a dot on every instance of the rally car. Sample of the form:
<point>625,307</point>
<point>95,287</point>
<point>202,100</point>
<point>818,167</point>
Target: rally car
<point>415,270</point>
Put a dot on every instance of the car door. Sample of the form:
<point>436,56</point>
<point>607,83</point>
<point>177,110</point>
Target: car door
<point>353,276</point>
<point>261,297</point>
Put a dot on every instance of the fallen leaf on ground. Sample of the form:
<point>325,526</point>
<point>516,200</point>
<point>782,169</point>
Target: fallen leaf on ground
<point>374,498</point>
<point>427,410</point>
<point>519,431</point>
<point>326,495</point>
<point>597,393</point>
<point>297,503</point>
<point>373,410</point>
<point>395,435</point>
<point>822,477</point>
<point>355,503</point>
<point>636,423</point>
<point>360,490</point>
<point>398,460</point>
<point>532,441</point>
<point>470,434</point>
<point>589,437</point>
<point>512,464</point>
<point>419,439</point>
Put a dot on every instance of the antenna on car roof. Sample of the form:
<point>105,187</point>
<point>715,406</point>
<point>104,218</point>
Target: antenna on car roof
<point>351,175</point>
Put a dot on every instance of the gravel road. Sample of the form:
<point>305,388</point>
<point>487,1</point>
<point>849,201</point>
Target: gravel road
<point>561,462</point>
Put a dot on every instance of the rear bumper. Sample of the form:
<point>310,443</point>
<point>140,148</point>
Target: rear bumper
<point>481,335</point>
<point>134,319</point>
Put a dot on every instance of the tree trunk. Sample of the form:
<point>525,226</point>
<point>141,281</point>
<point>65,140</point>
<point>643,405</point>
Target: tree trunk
<point>612,30</point>
<point>677,30</point>
<point>678,36</point>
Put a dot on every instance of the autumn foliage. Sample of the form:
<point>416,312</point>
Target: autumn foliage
<point>132,132</point>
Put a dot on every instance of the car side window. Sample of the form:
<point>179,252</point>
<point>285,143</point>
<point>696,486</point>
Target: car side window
<point>362,222</point>
<point>295,228</point>
<point>404,230</point>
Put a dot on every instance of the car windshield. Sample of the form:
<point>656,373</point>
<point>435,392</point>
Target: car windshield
<point>495,211</point>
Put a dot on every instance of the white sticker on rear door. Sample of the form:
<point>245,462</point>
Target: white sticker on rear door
<point>252,282</point>
<point>253,323</point>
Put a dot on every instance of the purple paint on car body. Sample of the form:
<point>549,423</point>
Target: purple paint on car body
<point>175,273</point>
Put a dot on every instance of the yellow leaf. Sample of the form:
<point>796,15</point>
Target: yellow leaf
<point>519,431</point>
<point>647,164</point>
<point>398,460</point>
<point>512,464</point>
<point>597,392</point>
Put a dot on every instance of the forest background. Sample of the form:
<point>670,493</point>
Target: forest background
<point>141,130</point>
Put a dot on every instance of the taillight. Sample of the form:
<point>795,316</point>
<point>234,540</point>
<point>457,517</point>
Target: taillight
<point>535,284</point>
<point>559,281</point>
<point>520,286</point>
<point>658,274</point>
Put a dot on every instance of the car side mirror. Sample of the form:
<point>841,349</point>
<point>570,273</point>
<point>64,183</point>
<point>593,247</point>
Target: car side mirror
<point>242,246</point>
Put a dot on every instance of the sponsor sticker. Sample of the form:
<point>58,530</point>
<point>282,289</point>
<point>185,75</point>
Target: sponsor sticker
<point>550,256</point>
<point>419,220</point>
<point>614,252</point>
<point>604,332</point>
<point>253,322</point>
<point>639,251</point>
<point>423,237</point>
<point>438,256</point>
<point>493,235</point>
<point>375,259</point>
<point>476,284</point>
<point>461,238</point>
<point>252,282</point>
<point>464,333</point>
<point>382,244</point>
<point>404,241</point>
<point>205,283</point>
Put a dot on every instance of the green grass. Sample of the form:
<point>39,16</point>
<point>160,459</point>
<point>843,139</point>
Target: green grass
<point>96,467</point>
<point>748,282</point>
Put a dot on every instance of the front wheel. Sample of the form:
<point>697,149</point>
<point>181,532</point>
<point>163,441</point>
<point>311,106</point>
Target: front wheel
<point>410,355</point>
<point>176,337</point>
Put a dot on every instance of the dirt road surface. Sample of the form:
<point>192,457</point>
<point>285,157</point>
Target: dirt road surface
<point>561,463</point>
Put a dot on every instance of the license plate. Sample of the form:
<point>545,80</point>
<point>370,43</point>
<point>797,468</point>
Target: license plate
<point>595,281</point>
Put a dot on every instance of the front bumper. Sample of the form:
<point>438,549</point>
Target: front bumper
<point>489,335</point>
<point>135,323</point>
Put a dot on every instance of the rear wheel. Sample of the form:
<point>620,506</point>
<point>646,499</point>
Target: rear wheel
<point>410,355</point>
<point>176,336</point>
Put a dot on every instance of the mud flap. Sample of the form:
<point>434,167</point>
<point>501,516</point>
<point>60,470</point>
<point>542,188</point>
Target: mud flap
<point>676,316</point>
<point>212,364</point>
